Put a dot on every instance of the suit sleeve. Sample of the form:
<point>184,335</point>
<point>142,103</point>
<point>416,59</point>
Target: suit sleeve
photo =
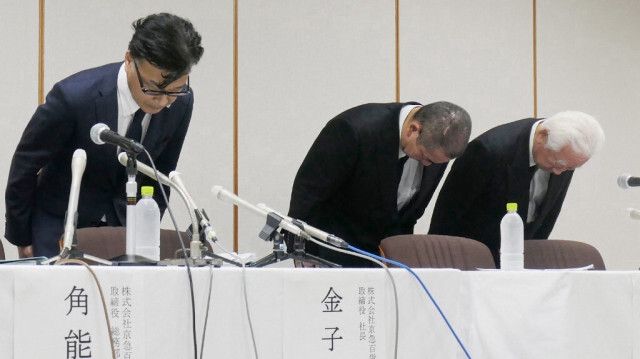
<point>468,178</point>
<point>47,135</point>
<point>325,169</point>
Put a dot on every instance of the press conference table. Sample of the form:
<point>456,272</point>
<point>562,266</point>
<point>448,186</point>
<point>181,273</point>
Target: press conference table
<point>50,311</point>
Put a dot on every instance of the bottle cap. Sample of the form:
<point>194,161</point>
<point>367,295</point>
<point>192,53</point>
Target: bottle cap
<point>146,190</point>
<point>512,206</point>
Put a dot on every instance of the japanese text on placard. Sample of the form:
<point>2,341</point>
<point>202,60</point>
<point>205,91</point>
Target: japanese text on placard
<point>331,302</point>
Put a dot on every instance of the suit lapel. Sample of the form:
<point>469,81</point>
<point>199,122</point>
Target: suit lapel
<point>518,189</point>
<point>425,183</point>
<point>155,129</point>
<point>556,185</point>
<point>106,106</point>
<point>430,180</point>
<point>386,169</point>
<point>387,159</point>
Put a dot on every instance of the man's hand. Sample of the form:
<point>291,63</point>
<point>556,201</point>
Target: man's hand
<point>25,252</point>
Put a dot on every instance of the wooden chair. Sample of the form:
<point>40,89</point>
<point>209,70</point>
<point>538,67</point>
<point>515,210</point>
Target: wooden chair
<point>557,253</point>
<point>437,251</point>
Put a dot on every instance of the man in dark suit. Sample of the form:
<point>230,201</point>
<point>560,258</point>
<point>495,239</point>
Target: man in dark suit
<point>352,183</point>
<point>529,162</point>
<point>147,97</point>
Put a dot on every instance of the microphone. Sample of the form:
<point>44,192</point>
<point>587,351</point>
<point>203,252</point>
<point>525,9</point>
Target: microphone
<point>146,170</point>
<point>78,164</point>
<point>626,180</point>
<point>229,197</point>
<point>101,134</point>
<point>315,232</point>
<point>633,213</point>
<point>209,233</point>
<point>163,179</point>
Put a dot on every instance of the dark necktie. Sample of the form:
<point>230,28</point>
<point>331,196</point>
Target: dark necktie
<point>532,171</point>
<point>401,162</point>
<point>134,131</point>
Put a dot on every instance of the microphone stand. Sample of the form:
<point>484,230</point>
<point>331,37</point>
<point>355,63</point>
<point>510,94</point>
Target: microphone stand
<point>197,239</point>
<point>205,233</point>
<point>270,232</point>
<point>196,244</point>
<point>294,245</point>
<point>130,258</point>
<point>164,180</point>
<point>72,251</point>
<point>69,241</point>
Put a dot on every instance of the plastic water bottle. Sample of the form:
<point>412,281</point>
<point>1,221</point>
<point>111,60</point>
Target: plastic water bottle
<point>511,239</point>
<point>147,227</point>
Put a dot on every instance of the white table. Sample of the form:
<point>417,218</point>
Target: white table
<point>294,312</point>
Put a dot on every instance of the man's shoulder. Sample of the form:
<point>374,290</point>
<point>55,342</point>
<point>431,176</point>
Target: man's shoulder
<point>379,107</point>
<point>499,144</point>
<point>370,114</point>
<point>92,77</point>
<point>86,85</point>
<point>506,132</point>
<point>93,73</point>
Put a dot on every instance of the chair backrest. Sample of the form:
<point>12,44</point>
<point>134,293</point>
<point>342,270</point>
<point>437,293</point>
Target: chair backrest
<point>1,250</point>
<point>110,242</point>
<point>102,242</point>
<point>437,251</point>
<point>169,245</point>
<point>557,253</point>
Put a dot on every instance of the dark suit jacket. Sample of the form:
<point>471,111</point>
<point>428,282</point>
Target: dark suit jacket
<point>494,170</point>
<point>347,184</point>
<point>60,126</point>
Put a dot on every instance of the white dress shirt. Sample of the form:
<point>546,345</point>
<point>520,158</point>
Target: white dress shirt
<point>127,106</point>
<point>539,182</point>
<point>412,172</point>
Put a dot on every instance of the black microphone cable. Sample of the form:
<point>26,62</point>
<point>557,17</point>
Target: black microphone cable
<point>186,259</point>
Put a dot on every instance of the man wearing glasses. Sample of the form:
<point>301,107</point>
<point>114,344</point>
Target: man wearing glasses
<point>529,162</point>
<point>146,98</point>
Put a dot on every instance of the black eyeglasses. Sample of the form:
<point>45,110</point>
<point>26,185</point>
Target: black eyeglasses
<point>185,89</point>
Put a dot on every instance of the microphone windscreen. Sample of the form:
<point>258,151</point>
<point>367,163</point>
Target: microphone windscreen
<point>623,180</point>
<point>95,132</point>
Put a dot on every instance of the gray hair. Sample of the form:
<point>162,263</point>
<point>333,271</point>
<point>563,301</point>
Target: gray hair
<point>577,129</point>
<point>444,125</point>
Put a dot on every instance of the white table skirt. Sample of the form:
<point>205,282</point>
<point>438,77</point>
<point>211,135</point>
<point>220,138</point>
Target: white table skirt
<point>297,312</point>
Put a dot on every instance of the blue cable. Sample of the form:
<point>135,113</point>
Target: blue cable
<point>423,286</point>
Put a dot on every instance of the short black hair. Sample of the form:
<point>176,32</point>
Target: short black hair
<point>444,125</point>
<point>168,42</point>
